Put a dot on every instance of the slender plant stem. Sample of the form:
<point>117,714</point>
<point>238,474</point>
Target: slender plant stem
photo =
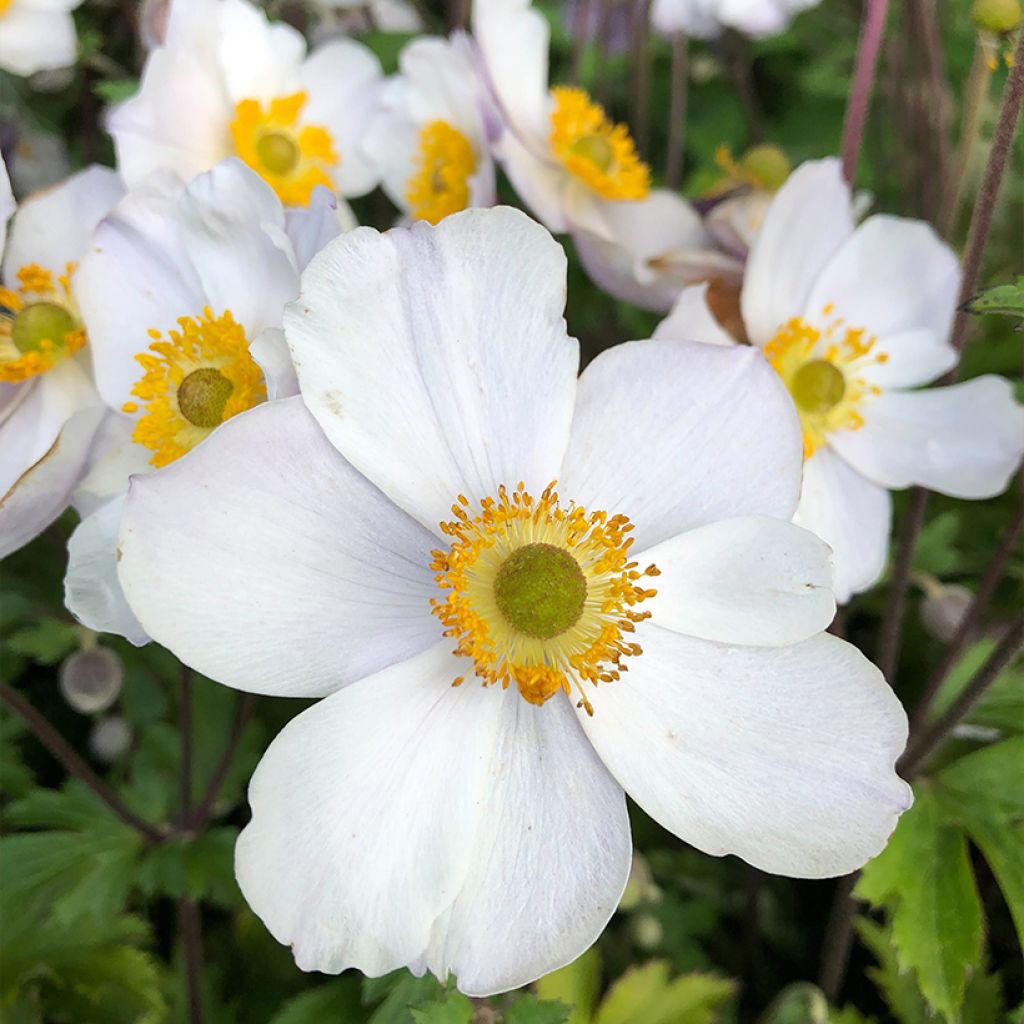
<point>938,96</point>
<point>185,730</point>
<point>458,14</point>
<point>74,765</point>
<point>863,79</point>
<point>191,925</point>
<point>984,208</point>
<point>243,712</point>
<point>1007,545</point>
<point>640,67</point>
<point>677,109</point>
<point>580,37</point>
<point>742,69</point>
<point>838,937</point>
<point>919,750</point>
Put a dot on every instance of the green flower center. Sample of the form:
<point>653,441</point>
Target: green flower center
<point>202,396</point>
<point>277,152</point>
<point>41,322</point>
<point>818,386</point>
<point>595,148</point>
<point>540,590</point>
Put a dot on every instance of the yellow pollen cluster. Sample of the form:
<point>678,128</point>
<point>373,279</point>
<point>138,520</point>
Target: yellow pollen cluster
<point>591,649</point>
<point>39,324</point>
<point>822,368</point>
<point>601,154</point>
<point>196,378</point>
<point>292,158</point>
<point>444,164</point>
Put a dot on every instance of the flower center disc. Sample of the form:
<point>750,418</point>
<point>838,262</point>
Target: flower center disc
<point>277,153</point>
<point>41,322</point>
<point>540,589</point>
<point>595,148</point>
<point>818,386</point>
<point>202,396</point>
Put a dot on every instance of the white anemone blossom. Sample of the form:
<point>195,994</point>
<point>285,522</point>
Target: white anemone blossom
<point>578,172</point>
<point>430,135</point>
<point>393,542</point>
<point>855,320</point>
<point>182,290</point>
<point>226,82</point>
<point>707,19</point>
<point>49,410</point>
<point>37,35</point>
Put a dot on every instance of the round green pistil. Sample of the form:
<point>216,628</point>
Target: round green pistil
<point>277,153</point>
<point>39,322</point>
<point>540,590</point>
<point>595,148</point>
<point>818,386</point>
<point>202,396</point>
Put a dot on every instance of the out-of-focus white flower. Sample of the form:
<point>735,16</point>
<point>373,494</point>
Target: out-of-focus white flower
<point>49,410</point>
<point>228,82</point>
<point>341,544</point>
<point>430,136</point>
<point>853,319</point>
<point>37,35</point>
<point>38,160</point>
<point>358,16</point>
<point>707,19</point>
<point>182,291</point>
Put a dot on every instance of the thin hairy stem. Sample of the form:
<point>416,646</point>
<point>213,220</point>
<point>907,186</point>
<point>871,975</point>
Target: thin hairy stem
<point>677,109</point>
<point>191,925</point>
<point>857,106</point>
<point>640,68</point>
<point>243,713</point>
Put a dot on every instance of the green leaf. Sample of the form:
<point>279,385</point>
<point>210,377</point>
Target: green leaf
<point>46,641</point>
<point>644,995</point>
<point>800,1003</point>
<point>1007,299</point>
<point>531,1010</point>
<point>452,1008</point>
<point>935,551</point>
<point>401,990</point>
<point>114,90</point>
<point>321,1005</point>
<point>898,987</point>
<point>1001,707</point>
<point>577,985</point>
<point>925,876</point>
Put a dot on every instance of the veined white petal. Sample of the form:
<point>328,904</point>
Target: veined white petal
<point>783,756</point>
<point>676,435</point>
<point>265,561</point>
<point>752,580</point>
<point>965,440</point>
<point>808,221</point>
<point>259,59</point>
<point>436,359</point>
<point>34,39</point>
<point>852,515</point>
<point>691,320</point>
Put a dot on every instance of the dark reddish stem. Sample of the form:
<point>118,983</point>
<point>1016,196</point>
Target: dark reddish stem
<point>863,81</point>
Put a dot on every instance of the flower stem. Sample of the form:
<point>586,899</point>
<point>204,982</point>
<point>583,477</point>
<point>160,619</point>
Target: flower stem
<point>74,765</point>
<point>243,712</point>
<point>677,109</point>
<point>640,67</point>
<point>863,80</point>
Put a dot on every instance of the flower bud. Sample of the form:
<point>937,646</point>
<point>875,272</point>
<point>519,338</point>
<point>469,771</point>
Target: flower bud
<point>1000,16</point>
<point>768,165</point>
<point>109,739</point>
<point>942,612</point>
<point>90,680</point>
<point>647,931</point>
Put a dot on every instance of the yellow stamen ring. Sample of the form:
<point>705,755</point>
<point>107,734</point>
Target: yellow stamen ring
<point>444,164</point>
<point>539,595</point>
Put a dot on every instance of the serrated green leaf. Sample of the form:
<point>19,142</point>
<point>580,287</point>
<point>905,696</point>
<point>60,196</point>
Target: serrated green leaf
<point>577,985</point>
<point>531,1010</point>
<point>800,1003</point>
<point>924,876</point>
<point>321,1005</point>
<point>898,988</point>
<point>451,1008</point>
<point>645,995</point>
<point>1002,298</point>
<point>401,990</point>
<point>935,551</point>
<point>46,641</point>
<point>1001,707</point>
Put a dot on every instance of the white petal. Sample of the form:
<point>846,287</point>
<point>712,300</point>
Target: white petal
<point>113,457</point>
<point>92,591</point>
<point>7,204</point>
<point>550,860</point>
<point>54,228</point>
<point>436,358</point>
<point>893,277</point>
<point>676,435</point>
<point>806,224</point>
<point>343,79</point>
<point>783,756</point>
<point>271,352</point>
<point>692,320</point>
<point>539,182</point>
<point>690,16</point>
<point>911,358</point>
<point>34,40</point>
<point>751,580</point>
<point>852,515</point>
<point>965,440</point>
<point>406,822</point>
<point>266,562</point>
<point>310,228</point>
<point>259,59</point>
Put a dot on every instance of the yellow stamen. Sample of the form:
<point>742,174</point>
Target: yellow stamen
<point>444,164</point>
<point>822,370</point>
<point>196,378</point>
<point>565,643</point>
<point>293,158</point>
<point>39,323</point>
<point>601,154</point>
<point>5,6</point>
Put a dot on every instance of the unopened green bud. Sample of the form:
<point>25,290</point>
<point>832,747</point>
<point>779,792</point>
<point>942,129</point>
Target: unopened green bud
<point>1000,16</point>
<point>769,165</point>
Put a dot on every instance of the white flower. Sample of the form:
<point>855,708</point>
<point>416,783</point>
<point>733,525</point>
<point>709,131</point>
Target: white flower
<point>37,35</point>
<point>227,82</point>
<point>707,19</point>
<point>430,135</point>
<point>180,290</point>
<point>853,319</point>
<point>49,410</point>
<point>482,829</point>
